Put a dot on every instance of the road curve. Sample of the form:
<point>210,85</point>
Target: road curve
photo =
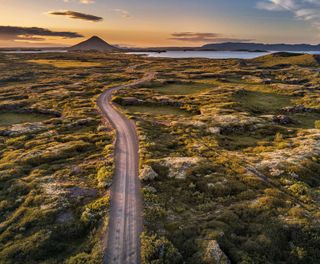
<point>122,242</point>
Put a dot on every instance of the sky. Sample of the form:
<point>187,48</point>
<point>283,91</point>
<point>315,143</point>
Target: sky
<point>155,23</point>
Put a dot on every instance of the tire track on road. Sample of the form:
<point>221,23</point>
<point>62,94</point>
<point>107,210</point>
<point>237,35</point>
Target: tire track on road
<point>122,241</point>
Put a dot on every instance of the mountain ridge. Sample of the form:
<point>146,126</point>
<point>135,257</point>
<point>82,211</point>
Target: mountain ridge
<point>93,44</point>
<point>237,46</point>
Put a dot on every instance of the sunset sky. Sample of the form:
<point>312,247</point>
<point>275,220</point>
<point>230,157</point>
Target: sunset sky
<point>143,23</point>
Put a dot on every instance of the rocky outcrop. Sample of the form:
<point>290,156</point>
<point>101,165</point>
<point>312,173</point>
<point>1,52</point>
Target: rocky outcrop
<point>43,111</point>
<point>81,122</point>
<point>165,100</point>
<point>78,192</point>
<point>20,129</point>
<point>13,105</point>
<point>130,101</point>
<point>297,109</point>
<point>235,120</point>
<point>65,217</point>
<point>178,166</point>
<point>53,151</point>
<point>148,174</point>
<point>256,79</point>
<point>282,120</point>
<point>285,87</point>
<point>214,130</point>
<point>307,146</point>
<point>214,254</point>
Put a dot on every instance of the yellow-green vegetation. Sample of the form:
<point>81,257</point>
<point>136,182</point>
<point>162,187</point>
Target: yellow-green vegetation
<point>11,118</point>
<point>260,102</point>
<point>289,59</point>
<point>181,89</point>
<point>264,103</point>
<point>157,110</point>
<point>56,157</point>
<point>241,172</point>
<point>229,157</point>
<point>67,63</point>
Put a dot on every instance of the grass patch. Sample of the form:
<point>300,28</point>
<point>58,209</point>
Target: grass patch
<point>306,120</point>
<point>249,139</point>
<point>157,110</point>
<point>182,89</point>
<point>238,142</point>
<point>263,103</point>
<point>283,58</point>
<point>11,118</point>
<point>66,63</point>
<point>257,102</point>
<point>55,182</point>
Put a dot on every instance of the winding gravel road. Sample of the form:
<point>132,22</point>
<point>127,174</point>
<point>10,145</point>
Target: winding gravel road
<point>122,242</point>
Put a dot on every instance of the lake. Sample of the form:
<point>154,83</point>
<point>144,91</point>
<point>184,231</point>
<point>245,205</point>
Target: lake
<point>177,54</point>
<point>209,54</point>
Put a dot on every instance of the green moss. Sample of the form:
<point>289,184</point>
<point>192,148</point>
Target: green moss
<point>11,118</point>
<point>240,194</point>
<point>263,103</point>
<point>156,110</point>
<point>182,89</point>
<point>66,63</point>
<point>288,59</point>
<point>158,250</point>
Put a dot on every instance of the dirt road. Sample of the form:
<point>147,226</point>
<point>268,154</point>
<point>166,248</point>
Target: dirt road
<point>122,243</point>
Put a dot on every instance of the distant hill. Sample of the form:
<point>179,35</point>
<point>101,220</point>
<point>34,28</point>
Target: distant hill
<point>283,58</point>
<point>238,46</point>
<point>94,44</point>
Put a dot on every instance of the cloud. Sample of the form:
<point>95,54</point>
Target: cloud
<point>33,33</point>
<point>269,6</point>
<point>87,1</point>
<point>82,1</point>
<point>76,15</point>
<point>203,37</point>
<point>123,13</point>
<point>306,10</point>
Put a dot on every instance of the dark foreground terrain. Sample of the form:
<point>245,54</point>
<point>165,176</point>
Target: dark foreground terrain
<point>229,157</point>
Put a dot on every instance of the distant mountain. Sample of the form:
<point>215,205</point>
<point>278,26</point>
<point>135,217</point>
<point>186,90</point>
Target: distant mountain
<point>94,44</point>
<point>241,46</point>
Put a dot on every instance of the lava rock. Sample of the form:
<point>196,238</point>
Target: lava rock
<point>282,120</point>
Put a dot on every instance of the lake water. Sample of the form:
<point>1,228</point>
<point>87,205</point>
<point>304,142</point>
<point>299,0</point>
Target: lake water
<point>209,54</point>
<point>204,54</point>
<point>178,54</point>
